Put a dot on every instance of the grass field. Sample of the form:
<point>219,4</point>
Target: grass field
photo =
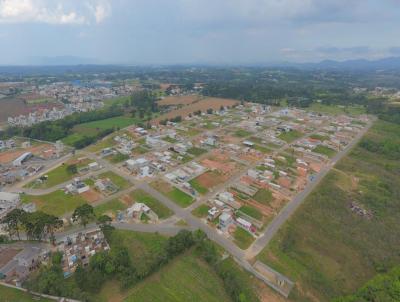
<point>114,122</point>
<point>328,249</point>
<point>119,181</point>
<point>241,133</point>
<point>56,203</point>
<point>251,211</point>
<point>201,211</point>
<point>112,206</point>
<point>263,196</point>
<point>196,151</point>
<point>185,279</point>
<point>336,110</point>
<point>161,210</point>
<point>55,177</point>
<point>290,136</point>
<point>14,295</point>
<point>242,238</point>
<point>324,150</point>
<point>116,101</point>
<point>198,187</point>
<point>179,197</point>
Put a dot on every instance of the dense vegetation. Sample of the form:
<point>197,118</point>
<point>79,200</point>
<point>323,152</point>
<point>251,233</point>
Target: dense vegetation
<point>383,287</point>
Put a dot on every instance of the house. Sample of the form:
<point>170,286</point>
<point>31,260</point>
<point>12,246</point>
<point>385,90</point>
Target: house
<point>213,213</point>
<point>105,184</point>
<point>77,187</point>
<point>137,209</point>
<point>248,144</point>
<point>225,220</point>
<point>226,197</point>
<point>94,166</point>
<point>133,164</point>
<point>26,144</point>
<point>243,223</point>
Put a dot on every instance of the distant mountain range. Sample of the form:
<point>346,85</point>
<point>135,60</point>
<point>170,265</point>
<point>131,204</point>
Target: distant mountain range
<point>385,63</point>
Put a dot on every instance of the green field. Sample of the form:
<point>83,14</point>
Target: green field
<point>112,206</point>
<point>14,295</point>
<point>261,148</point>
<point>114,122</point>
<point>185,279</point>
<point>241,133</point>
<point>119,181</point>
<point>161,210</point>
<point>181,198</point>
<point>55,177</point>
<point>263,196</point>
<point>242,238</point>
<point>196,151</point>
<point>330,250</point>
<point>116,101</point>
<point>55,203</point>
<point>290,136</point>
<point>199,188</point>
<point>324,150</point>
<point>201,211</point>
<point>251,211</point>
<point>336,110</point>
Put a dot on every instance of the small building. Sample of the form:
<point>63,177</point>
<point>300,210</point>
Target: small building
<point>248,144</point>
<point>213,213</point>
<point>22,158</point>
<point>94,166</point>
<point>225,220</point>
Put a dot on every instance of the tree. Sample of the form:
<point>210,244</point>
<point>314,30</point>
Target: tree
<point>104,221</point>
<point>209,111</point>
<point>84,214</point>
<point>72,169</point>
<point>13,221</point>
<point>52,223</point>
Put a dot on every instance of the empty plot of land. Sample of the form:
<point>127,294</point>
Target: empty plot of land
<point>202,105</point>
<point>179,100</point>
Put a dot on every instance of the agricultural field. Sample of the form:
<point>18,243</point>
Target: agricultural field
<point>162,211</point>
<point>11,295</point>
<point>179,197</point>
<point>336,109</point>
<point>179,100</point>
<point>56,203</point>
<point>358,206</point>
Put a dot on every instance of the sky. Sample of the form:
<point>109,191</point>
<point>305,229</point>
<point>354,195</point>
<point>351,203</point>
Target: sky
<point>144,32</point>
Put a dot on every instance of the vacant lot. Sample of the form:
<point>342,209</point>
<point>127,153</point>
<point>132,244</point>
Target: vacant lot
<point>179,197</point>
<point>290,136</point>
<point>331,250</point>
<point>324,150</point>
<point>161,210</point>
<point>179,100</point>
<point>263,196</point>
<point>119,181</point>
<point>203,105</point>
<point>242,238</point>
<point>110,208</point>
<point>201,211</point>
<point>185,279</point>
<point>11,295</point>
<point>207,180</point>
<point>56,203</point>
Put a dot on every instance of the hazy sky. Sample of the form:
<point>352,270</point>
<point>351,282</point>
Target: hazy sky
<point>198,31</point>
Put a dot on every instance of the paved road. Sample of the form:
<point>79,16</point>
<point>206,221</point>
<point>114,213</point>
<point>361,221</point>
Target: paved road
<point>291,207</point>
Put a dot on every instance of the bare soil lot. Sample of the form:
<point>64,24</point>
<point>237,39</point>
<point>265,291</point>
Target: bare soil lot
<point>179,100</point>
<point>203,105</point>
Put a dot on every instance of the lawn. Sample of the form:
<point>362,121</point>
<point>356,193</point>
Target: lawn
<point>330,250</point>
<point>324,150</point>
<point>119,181</point>
<point>161,210</point>
<point>14,295</point>
<point>290,136</point>
<point>198,187</point>
<point>263,196</point>
<point>251,211</point>
<point>196,151</point>
<point>185,279</point>
<point>201,211</point>
<point>241,133</point>
<point>242,238</point>
<point>112,206</point>
<point>55,203</point>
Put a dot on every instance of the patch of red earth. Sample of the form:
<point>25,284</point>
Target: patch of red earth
<point>91,196</point>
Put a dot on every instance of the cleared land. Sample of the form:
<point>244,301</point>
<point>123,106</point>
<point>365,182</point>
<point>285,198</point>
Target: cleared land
<point>347,229</point>
<point>56,203</point>
<point>203,105</point>
<point>179,100</point>
<point>290,136</point>
<point>179,197</point>
<point>242,238</point>
<point>117,180</point>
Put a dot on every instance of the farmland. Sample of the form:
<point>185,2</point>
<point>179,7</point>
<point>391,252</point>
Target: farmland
<point>354,245</point>
<point>179,100</point>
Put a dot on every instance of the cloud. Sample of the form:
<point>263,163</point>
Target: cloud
<point>53,12</point>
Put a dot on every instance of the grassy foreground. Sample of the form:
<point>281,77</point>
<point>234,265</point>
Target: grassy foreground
<point>331,250</point>
<point>14,295</point>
